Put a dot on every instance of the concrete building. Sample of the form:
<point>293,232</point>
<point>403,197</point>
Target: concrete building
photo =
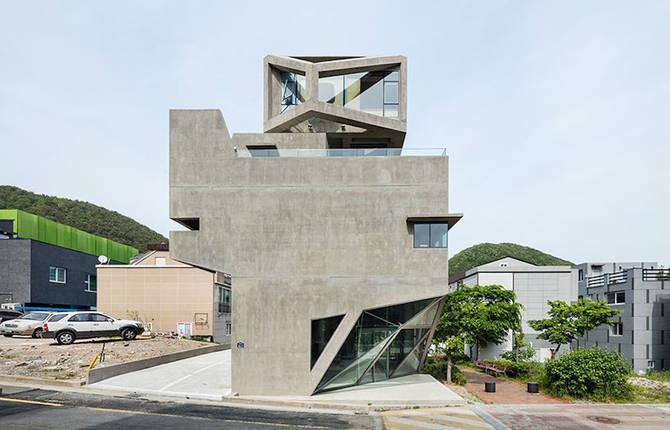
<point>641,334</point>
<point>334,233</point>
<point>533,286</point>
<point>164,294</point>
<point>45,264</point>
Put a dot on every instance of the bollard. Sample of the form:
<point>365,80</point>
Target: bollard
<point>533,387</point>
<point>490,387</point>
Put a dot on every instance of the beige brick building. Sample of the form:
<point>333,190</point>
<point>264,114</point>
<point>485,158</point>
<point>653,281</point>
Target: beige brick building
<point>166,294</point>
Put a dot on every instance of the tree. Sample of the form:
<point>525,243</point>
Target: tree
<point>478,315</point>
<point>568,322</point>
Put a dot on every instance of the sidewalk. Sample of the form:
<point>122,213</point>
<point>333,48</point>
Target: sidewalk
<point>204,377</point>
<point>507,392</point>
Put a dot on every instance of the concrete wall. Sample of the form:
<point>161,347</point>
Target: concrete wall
<point>161,295</point>
<point>303,238</point>
<point>14,271</point>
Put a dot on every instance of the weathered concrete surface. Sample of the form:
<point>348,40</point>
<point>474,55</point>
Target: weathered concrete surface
<point>102,373</point>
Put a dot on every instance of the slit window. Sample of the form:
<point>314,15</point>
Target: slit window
<point>430,235</point>
<point>617,329</point>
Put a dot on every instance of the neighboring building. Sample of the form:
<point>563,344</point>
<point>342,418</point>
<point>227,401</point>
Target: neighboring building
<point>533,285</point>
<point>337,244</point>
<point>641,334</point>
<point>45,264</point>
<point>164,293</point>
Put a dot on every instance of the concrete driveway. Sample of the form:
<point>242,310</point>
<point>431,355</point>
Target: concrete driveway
<point>206,377</point>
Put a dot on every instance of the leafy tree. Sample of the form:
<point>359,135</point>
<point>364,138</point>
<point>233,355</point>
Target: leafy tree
<point>478,315</point>
<point>520,352</point>
<point>568,322</point>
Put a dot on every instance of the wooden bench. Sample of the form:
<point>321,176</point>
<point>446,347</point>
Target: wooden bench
<point>487,366</point>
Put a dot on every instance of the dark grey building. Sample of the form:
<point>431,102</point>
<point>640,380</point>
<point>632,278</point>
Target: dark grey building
<point>641,333</point>
<point>38,274</point>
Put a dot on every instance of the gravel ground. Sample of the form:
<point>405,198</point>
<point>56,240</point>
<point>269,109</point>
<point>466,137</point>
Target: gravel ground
<point>44,358</point>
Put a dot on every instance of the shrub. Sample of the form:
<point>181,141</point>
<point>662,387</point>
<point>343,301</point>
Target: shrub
<point>525,354</point>
<point>589,374</point>
<point>437,368</point>
<point>515,369</point>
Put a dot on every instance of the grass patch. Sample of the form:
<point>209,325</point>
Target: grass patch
<point>68,375</point>
<point>647,395</point>
<point>58,369</point>
<point>7,356</point>
<point>663,375</point>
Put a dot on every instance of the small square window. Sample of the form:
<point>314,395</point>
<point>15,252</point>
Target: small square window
<point>57,274</point>
<point>617,329</point>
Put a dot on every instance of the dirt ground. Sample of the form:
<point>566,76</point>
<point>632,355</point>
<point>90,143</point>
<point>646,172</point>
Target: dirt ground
<point>44,358</point>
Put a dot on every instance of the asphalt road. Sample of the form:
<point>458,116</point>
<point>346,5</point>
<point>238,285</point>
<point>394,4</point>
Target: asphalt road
<point>41,409</point>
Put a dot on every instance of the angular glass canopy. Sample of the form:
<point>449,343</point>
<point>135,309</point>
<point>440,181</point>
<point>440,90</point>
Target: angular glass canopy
<point>384,343</point>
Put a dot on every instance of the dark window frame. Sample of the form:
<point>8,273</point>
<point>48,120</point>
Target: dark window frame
<point>430,243</point>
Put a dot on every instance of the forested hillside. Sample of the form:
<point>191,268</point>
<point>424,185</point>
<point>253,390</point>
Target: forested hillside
<point>486,252</point>
<point>82,215</point>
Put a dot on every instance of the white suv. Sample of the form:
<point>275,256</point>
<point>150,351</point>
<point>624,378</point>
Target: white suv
<point>66,327</point>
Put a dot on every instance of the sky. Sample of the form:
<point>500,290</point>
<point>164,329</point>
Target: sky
<point>555,114</point>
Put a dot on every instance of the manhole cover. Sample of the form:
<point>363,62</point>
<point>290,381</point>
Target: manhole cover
<point>604,420</point>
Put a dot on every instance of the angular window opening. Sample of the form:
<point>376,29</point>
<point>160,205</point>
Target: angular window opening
<point>263,150</point>
<point>192,224</point>
<point>430,235</point>
<point>292,87</point>
<point>366,356</point>
<point>322,330</point>
<point>375,92</point>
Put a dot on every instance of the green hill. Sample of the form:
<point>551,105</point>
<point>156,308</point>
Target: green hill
<point>486,252</point>
<point>82,215</point>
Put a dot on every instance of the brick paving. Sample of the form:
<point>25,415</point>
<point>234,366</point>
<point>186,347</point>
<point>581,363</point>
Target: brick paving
<point>579,417</point>
<point>507,392</point>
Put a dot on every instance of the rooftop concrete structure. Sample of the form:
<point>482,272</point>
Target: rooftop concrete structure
<point>336,243</point>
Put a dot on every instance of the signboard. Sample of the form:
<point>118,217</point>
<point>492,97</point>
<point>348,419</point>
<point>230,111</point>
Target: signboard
<point>184,329</point>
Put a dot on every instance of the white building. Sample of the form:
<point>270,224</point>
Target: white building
<point>534,287</point>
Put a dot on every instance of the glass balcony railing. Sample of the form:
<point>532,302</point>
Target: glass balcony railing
<point>347,152</point>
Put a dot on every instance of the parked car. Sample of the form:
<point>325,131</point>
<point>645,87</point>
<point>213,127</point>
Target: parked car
<point>66,327</point>
<point>9,314</point>
<point>29,324</point>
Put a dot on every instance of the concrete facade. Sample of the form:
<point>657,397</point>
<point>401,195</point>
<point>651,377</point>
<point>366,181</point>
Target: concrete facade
<point>24,275</point>
<point>162,292</point>
<point>642,331</point>
<point>304,235</point>
<point>533,286</point>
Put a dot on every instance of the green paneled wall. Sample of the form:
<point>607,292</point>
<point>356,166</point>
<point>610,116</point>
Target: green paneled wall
<point>31,226</point>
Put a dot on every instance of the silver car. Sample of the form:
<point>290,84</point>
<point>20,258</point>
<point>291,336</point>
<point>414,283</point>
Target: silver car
<point>29,324</point>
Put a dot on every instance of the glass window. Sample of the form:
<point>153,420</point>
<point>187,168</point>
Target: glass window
<point>331,90</point>
<point>57,274</point>
<point>430,235</point>
<point>364,347</point>
<point>375,92</point>
<point>34,316</point>
<point>80,317</point>
<point>223,299</point>
<point>292,90</point>
<point>57,317</point>
<point>617,329</point>
<point>621,297</point>
<point>422,235</point>
<point>322,331</point>
<point>438,235</point>
<point>91,283</point>
<point>98,317</point>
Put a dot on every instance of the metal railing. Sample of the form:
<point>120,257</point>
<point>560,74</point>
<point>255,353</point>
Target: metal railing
<point>342,152</point>
<point>655,274</point>
<point>595,281</point>
<point>618,277</point>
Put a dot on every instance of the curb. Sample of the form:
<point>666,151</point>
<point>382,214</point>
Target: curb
<point>41,381</point>
<point>102,373</point>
